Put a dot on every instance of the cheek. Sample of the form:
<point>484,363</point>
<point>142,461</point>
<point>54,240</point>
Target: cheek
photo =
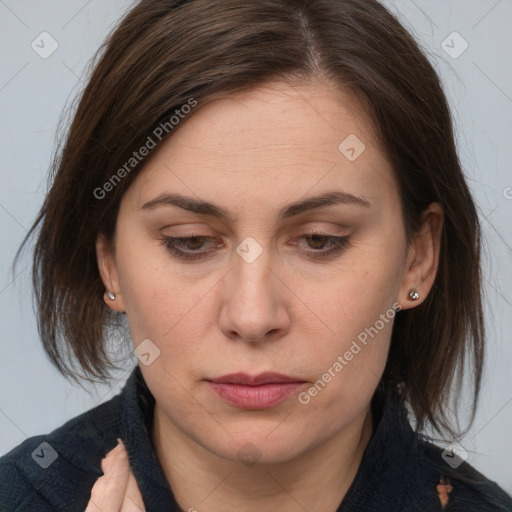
<point>167,309</point>
<point>358,309</point>
<point>145,293</point>
<point>162,312</point>
<point>355,293</point>
<point>346,373</point>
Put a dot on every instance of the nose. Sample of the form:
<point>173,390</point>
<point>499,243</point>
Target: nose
<point>255,301</point>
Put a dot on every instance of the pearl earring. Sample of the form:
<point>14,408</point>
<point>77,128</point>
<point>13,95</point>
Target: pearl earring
<point>414,295</point>
<point>111,295</point>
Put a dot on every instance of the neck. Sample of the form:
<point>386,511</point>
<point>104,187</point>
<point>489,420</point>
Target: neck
<point>316,481</point>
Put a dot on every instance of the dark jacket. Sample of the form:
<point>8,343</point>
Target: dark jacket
<point>399,472</point>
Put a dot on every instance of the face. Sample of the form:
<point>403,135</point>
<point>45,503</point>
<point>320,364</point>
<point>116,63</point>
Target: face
<point>270,279</point>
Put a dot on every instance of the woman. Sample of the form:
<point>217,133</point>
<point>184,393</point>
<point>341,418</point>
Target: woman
<point>270,195</point>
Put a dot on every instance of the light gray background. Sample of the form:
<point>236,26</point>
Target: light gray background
<point>35,399</point>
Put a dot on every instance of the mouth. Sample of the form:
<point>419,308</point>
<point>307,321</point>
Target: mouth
<point>255,392</point>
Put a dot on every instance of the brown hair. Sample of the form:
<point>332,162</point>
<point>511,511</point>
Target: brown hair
<point>165,53</point>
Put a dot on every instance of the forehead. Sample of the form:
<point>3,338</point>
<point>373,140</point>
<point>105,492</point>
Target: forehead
<point>276,141</point>
<point>265,118</point>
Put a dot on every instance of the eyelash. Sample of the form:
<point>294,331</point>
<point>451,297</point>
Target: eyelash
<point>339,242</point>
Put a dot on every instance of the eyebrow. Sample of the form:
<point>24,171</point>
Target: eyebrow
<point>296,208</point>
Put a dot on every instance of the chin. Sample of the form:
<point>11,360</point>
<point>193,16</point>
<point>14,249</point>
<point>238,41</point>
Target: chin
<point>264,445</point>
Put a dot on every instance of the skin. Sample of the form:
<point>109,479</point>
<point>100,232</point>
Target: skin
<point>117,489</point>
<point>253,153</point>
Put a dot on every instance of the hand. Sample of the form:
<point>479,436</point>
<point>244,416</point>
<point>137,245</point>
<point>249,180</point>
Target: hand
<point>117,489</point>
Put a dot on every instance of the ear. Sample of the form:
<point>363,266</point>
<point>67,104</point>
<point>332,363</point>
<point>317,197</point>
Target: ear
<point>108,271</point>
<point>423,257</point>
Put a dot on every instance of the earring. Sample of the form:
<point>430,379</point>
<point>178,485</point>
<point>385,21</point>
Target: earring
<point>414,295</point>
<point>111,295</point>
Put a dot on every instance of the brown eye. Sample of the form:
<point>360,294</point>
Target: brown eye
<point>192,242</point>
<point>318,241</point>
<point>188,248</point>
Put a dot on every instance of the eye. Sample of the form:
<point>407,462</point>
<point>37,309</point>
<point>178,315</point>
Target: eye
<point>192,247</point>
<point>317,241</point>
<point>192,243</point>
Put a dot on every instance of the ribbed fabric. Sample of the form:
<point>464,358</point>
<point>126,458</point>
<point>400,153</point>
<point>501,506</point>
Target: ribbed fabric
<point>399,472</point>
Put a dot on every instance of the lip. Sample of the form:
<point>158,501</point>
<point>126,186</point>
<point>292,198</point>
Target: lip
<point>255,392</point>
<point>255,380</point>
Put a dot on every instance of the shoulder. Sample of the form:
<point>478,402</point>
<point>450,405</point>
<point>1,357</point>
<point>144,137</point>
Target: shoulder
<point>56,471</point>
<point>460,485</point>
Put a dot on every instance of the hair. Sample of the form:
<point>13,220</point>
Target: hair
<point>167,53</point>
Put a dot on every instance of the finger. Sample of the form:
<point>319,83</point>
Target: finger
<point>108,491</point>
<point>132,497</point>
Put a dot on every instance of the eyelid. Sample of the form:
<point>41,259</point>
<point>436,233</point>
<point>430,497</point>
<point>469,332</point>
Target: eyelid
<point>301,232</point>
<point>316,230</point>
<point>337,230</point>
